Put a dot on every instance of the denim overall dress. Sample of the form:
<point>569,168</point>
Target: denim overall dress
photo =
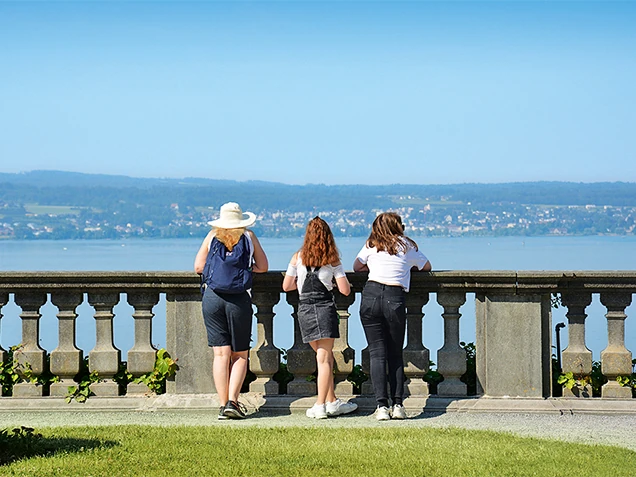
<point>317,315</point>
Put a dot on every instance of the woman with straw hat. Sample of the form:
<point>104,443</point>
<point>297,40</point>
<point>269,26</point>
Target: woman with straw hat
<point>228,256</point>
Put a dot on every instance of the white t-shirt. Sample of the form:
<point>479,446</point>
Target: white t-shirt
<point>392,269</point>
<point>326,273</point>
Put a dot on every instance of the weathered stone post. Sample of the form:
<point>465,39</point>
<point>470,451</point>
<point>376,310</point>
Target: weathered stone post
<point>30,356</point>
<point>616,359</point>
<point>104,357</point>
<point>4,299</point>
<point>416,355</point>
<point>343,354</point>
<point>576,358</point>
<point>141,357</point>
<point>451,358</point>
<point>186,341</point>
<point>513,339</point>
<point>66,359</point>
<point>301,358</point>
<point>264,357</point>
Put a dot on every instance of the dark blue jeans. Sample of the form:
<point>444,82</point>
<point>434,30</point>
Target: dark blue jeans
<point>383,317</point>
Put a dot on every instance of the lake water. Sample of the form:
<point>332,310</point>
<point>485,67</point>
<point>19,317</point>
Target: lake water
<point>488,253</point>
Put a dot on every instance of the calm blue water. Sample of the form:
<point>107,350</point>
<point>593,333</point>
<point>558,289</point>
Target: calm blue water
<point>506,253</point>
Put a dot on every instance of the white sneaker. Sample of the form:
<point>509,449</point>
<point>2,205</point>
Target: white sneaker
<point>317,411</point>
<point>382,413</point>
<point>338,407</point>
<point>398,412</point>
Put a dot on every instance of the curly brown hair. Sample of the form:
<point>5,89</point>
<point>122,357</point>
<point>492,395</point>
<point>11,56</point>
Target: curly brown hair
<point>229,237</point>
<point>319,247</point>
<point>387,234</point>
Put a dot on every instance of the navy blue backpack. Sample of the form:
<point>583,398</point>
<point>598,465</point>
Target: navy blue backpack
<point>228,271</point>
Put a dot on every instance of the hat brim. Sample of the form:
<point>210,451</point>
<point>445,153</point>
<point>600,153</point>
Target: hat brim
<point>223,223</point>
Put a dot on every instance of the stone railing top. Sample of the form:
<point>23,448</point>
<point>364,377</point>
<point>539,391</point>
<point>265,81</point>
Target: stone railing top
<point>508,281</point>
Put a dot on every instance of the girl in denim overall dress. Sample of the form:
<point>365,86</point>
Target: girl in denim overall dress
<point>312,270</point>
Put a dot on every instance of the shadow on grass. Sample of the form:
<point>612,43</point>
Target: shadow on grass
<point>23,443</point>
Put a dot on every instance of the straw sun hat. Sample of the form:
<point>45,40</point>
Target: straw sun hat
<point>232,217</point>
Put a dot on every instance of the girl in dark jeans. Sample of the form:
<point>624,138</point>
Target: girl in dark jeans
<point>388,256</point>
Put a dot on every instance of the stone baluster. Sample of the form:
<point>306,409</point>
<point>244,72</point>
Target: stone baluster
<point>66,359</point>
<point>104,358</point>
<point>416,355</point>
<point>301,358</point>
<point>616,360</point>
<point>142,356</point>
<point>30,356</point>
<point>264,357</point>
<point>344,355</point>
<point>451,357</point>
<point>4,299</point>
<point>576,358</point>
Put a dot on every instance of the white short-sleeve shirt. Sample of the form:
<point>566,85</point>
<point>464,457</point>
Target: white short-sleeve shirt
<point>392,269</point>
<point>326,274</point>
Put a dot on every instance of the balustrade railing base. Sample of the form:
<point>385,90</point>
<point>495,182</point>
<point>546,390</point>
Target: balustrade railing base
<point>417,407</point>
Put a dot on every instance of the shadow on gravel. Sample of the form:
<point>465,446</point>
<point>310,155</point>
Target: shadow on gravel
<point>23,443</point>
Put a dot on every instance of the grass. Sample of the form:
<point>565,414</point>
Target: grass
<point>227,451</point>
<point>51,209</point>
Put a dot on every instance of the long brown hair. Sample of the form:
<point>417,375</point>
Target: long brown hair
<point>229,237</point>
<point>387,234</point>
<point>319,247</point>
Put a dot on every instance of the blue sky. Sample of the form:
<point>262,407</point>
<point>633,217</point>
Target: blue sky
<point>321,92</point>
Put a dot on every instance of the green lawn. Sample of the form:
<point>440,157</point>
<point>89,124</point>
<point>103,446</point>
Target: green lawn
<point>297,451</point>
<point>51,209</point>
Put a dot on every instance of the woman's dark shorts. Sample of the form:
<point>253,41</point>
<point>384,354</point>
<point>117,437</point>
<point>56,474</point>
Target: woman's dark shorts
<point>228,319</point>
<point>318,319</point>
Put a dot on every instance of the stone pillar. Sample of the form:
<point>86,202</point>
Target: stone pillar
<point>66,359</point>
<point>416,355</point>
<point>30,356</point>
<point>104,358</point>
<point>264,357</point>
<point>451,358</point>
<point>616,360</point>
<point>187,341</point>
<point>4,299</point>
<point>301,358</point>
<point>142,356</point>
<point>576,358</point>
<point>343,354</point>
<point>513,345</point>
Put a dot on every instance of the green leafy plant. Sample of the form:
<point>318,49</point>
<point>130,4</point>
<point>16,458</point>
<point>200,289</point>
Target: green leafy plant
<point>357,377</point>
<point>433,377</point>
<point>629,381</point>
<point>165,367</point>
<point>579,383</point>
<point>9,372</point>
<point>17,442</point>
<point>84,379</point>
<point>470,376</point>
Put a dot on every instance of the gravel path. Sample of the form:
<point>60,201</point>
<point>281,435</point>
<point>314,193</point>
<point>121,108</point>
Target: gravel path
<point>612,429</point>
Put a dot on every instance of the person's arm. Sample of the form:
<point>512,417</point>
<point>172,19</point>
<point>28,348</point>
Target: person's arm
<point>344,287</point>
<point>290,281</point>
<point>260,265</point>
<point>202,254</point>
<point>426,268</point>
<point>358,266</point>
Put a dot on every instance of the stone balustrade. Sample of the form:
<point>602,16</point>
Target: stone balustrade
<point>513,331</point>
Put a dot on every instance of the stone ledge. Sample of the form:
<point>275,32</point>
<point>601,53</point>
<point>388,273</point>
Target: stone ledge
<point>294,404</point>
